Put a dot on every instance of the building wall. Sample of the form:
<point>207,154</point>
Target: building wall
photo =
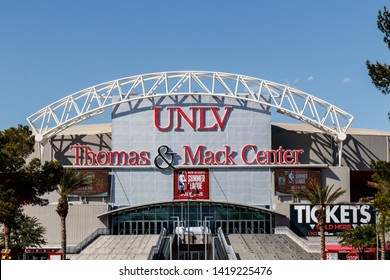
<point>358,150</point>
<point>334,175</point>
<point>133,129</point>
<point>81,221</point>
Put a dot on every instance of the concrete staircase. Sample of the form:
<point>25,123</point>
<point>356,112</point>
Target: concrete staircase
<point>117,247</point>
<point>267,247</point>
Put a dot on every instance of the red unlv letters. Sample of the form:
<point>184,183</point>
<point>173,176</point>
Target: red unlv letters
<point>197,120</point>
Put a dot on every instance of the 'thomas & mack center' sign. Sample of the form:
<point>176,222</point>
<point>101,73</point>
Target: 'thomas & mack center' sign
<point>247,155</point>
<point>338,218</point>
<point>192,119</point>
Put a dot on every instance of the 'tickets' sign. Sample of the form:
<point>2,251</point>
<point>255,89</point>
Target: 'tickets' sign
<point>338,218</point>
<point>191,182</point>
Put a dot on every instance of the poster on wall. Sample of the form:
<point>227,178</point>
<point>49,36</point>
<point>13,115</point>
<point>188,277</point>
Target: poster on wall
<point>99,186</point>
<point>339,217</point>
<point>193,183</point>
<point>289,180</point>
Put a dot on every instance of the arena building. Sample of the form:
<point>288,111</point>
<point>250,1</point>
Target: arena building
<point>197,154</point>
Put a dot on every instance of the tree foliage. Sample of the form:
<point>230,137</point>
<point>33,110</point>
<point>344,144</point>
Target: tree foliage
<point>28,232</point>
<point>381,202</point>
<point>16,144</point>
<point>361,237</point>
<point>22,183</point>
<point>380,72</point>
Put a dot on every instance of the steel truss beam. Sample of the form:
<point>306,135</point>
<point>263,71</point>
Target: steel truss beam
<point>92,101</point>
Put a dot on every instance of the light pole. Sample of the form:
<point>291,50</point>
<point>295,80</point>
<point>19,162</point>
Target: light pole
<point>188,225</point>
<point>188,214</point>
<point>205,236</point>
<point>377,235</point>
<point>178,235</point>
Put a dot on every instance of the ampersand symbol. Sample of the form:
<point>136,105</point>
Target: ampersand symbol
<point>166,156</point>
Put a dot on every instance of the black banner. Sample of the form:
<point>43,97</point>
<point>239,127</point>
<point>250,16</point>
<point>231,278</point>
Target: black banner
<point>303,218</point>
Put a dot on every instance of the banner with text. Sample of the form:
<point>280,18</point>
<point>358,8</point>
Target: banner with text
<point>191,182</point>
<point>289,180</point>
<point>338,218</point>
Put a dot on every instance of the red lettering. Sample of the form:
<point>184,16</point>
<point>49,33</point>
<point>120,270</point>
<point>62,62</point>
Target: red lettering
<point>202,120</point>
<point>188,155</point>
<point>144,158</point>
<point>296,153</point>
<point>77,154</point>
<point>180,113</point>
<point>265,157</point>
<point>218,156</point>
<point>88,154</point>
<point>244,153</point>
<point>100,155</point>
<point>133,158</point>
<point>229,156</point>
<point>288,154</point>
<point>157,119</point>
<point>85,157</point>
<point>209,157</point>
<point>219,122</point>
<point>262,155</point>
<point>118,155</point>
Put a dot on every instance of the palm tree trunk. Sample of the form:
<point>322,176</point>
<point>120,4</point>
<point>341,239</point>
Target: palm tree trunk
<point>322,241</point>
<point>7,233</point>
<point>383,242</point>
<point>321,225</point>
<point>381,222</point>
<point>62,210</point>
<point>63,237</point>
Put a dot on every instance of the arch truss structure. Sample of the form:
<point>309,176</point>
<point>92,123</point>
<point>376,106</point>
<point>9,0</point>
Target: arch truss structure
<point>92,101</point>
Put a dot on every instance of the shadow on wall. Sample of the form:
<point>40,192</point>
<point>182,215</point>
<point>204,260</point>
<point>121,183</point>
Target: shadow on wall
<point>61,145</point>
<point>321,148</point>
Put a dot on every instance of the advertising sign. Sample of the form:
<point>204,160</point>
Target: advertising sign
<point>332,256</point>
<point>338,218</point>
<point>191,183</point>
<point>289,180</point>
<point>99,186</point>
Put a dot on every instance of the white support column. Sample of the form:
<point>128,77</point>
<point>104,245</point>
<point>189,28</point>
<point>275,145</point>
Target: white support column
<point>340,147</point>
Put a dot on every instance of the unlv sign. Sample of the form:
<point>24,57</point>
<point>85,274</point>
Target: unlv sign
<point>176,117</point>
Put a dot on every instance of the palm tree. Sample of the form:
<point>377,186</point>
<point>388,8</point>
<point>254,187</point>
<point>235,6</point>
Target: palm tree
<point>70,181</point>
<point>320,196</point>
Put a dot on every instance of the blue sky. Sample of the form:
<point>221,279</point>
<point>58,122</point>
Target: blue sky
<point>50,49</point>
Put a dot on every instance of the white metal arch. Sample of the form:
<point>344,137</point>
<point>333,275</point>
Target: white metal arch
<point>92,101</point>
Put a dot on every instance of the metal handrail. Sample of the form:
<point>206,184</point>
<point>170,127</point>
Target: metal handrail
<point>88,240</point>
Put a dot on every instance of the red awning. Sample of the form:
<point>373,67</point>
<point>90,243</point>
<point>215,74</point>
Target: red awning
<point>344,249</point>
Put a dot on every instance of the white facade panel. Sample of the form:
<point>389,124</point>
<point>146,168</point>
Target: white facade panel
<point>234,125</point>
